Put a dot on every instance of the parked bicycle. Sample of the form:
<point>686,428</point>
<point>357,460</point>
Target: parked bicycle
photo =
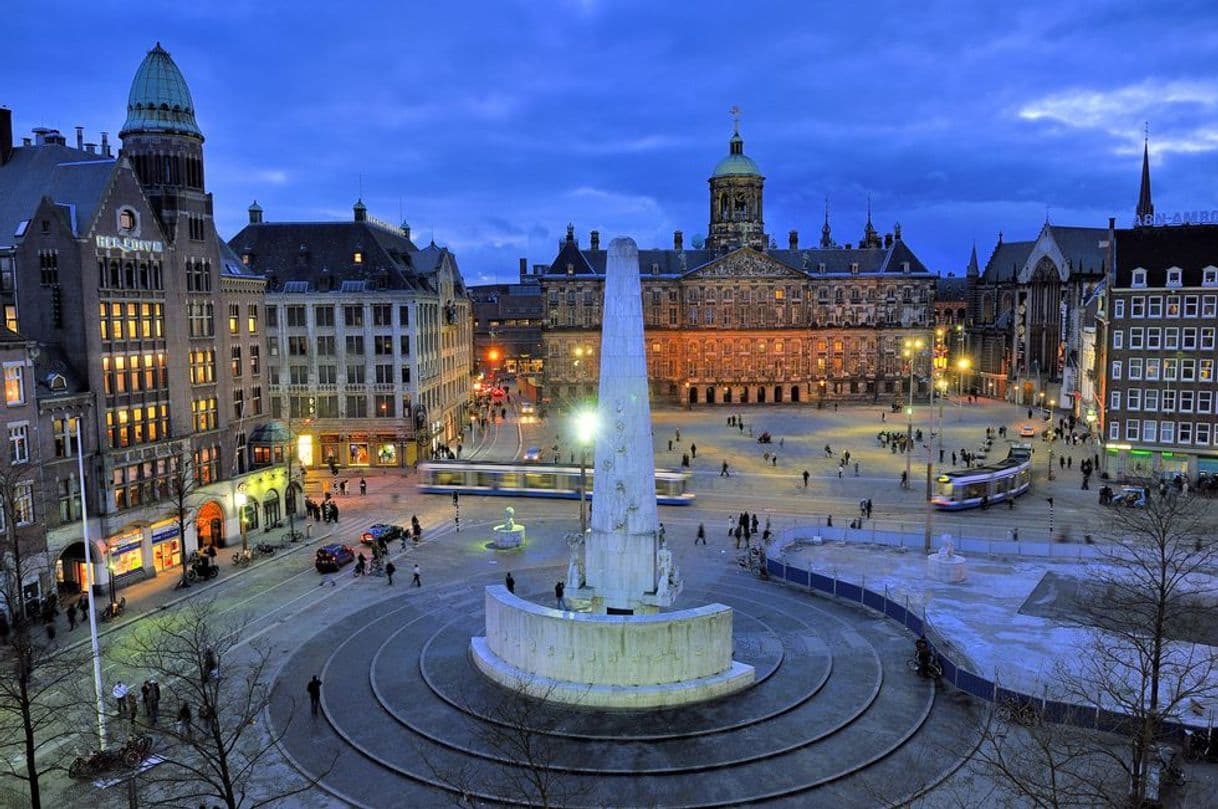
<point>933,668</point>
<point>133,751</point>
<point>1020,712</point>
<point>265,548</point>
<point>243,557</point>
<point>114,609</point>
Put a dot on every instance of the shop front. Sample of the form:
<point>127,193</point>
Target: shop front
<point>166,547</point>
<point>125,556</point>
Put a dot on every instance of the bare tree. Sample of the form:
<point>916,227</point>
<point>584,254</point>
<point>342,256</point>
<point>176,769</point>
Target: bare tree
<point>519,731</point>
<point>38,681</point>
<point>1150,606</point>
<point>182,485</point>
<point>216,756</point>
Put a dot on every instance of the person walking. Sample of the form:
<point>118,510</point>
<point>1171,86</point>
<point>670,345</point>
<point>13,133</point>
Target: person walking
<point>390,569</point>
<point>363,487</point>
<point>723,471</point>
<point>693,451</point>
<point>701,537</point>
<point>806,476</point>
<point>739,535</point>
<point>415,581</point>
<point>184,722</point>
<point>314,689</point>
<point>119,692</point>
<point>71,616</point>
<point>510,582</point>
<point>869,508</point>
<point>560,590</point>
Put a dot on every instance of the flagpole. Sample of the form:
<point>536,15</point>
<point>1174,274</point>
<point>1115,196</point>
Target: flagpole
<point>84,526</point>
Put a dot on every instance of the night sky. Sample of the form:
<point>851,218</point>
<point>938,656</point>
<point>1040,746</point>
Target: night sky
<point>491,125</point>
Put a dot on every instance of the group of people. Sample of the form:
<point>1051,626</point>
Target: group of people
<point>741,527</point>
<point>126,702</point>
<point>325,511</point>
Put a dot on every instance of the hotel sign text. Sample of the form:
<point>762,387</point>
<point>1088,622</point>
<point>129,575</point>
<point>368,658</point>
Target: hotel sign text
<point>1178,218</point>
<point>129,245</point>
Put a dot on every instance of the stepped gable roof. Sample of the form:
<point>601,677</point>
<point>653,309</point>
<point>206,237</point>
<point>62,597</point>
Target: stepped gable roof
<point>159,100</point>
<point>1006,261</point>
<point>430,258</point>
<point>311,251</point>
<point>1192,248</point>
<point>951,288</point>
<point>72,178</point>
<point>1081,247</point>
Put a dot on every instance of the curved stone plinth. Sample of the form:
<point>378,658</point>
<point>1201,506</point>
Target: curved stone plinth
<point>609,661</point>
<point>505,537</point>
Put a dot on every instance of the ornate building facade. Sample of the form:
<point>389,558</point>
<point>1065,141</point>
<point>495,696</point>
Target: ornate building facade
<point>734,319</point>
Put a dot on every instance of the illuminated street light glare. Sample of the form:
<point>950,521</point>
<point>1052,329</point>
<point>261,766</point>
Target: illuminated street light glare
<point>586,424</point>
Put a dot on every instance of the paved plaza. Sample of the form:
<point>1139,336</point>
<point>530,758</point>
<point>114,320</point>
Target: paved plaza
<point>836,717</point>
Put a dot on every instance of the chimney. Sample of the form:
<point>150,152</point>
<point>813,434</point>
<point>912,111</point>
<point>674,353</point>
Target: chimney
<point>26,142</point>
<point>105,144</point>
<point>6,134</point>
<point>888,240</point>
<point>595,237</point>
<point>524,267</point>
<point>678,241</point>
<point>91,148</point>
<point>80,137</point>
<point>793,240</point>
<point>255,211</point>
<point>40,135</point>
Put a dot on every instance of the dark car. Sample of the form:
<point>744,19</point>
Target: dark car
<point>382,531</point>
<point>331,557</point>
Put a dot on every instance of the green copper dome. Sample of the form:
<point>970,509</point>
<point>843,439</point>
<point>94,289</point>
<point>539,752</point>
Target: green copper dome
<point>737,163</point>
<point>160,100</point>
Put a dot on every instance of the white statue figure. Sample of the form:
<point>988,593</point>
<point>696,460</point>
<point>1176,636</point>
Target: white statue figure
<point>945,550</point>
<point>575,561</point>
<point>664,571</point>
<point>509,517</point>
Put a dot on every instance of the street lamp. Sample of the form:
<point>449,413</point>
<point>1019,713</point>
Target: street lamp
<point>911,351</point>
<point>963,365</point>
<point>586,423</point>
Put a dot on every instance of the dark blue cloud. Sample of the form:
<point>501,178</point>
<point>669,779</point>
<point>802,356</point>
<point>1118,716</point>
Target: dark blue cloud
<point>491,125</point>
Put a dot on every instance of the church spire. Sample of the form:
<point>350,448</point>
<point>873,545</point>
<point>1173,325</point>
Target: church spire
<point>1146,208</point>
<point>870,237</point>
<point>826,240</point>
<point>973,268</point>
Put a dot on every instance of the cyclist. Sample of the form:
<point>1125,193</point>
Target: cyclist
<point>923,653</point>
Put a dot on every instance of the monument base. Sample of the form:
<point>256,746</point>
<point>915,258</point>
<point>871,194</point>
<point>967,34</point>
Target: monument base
<point>626,662</point>
<point>505,538</point>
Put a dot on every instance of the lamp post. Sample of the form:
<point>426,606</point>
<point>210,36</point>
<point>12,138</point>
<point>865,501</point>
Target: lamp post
<point>585,432</point>
<point>912,348</point>
<point>962,365</point>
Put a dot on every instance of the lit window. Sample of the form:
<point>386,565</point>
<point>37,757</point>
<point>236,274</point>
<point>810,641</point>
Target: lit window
<point>14,385</point>
<point>358,258</point>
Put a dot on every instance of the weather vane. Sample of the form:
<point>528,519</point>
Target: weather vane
<point>735,113</point>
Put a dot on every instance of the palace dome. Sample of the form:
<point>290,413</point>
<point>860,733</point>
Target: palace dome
<point>159,100</point>
<point>736,163</point>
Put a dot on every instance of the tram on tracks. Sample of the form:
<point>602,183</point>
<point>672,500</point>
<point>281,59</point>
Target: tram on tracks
<point>533,480</point>
<point>1004,480</point>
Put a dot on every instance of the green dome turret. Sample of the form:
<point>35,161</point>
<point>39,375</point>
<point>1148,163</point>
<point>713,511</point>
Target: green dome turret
<point>159,101</point>
<point>737,163</point>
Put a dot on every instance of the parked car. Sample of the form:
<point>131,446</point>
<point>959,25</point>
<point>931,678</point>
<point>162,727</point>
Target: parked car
<point>1027,430</point>
<point>382,531</point>
<point>532,454</point>
<point>331,557</point>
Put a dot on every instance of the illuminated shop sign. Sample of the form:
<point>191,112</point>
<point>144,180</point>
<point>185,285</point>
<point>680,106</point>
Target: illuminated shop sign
<point>130,245</point>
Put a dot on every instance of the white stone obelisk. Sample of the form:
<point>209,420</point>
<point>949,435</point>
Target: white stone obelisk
<point>623,557</point>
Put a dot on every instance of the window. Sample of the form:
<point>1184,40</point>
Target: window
<point>1189,341</point>
<point>238,404</point>
<point>1154,306</point>
<point>1171,367</point>
<point>1136,340</point>
<point>234,318</point>
<point>202,319</point>
<point>64,430</point>
<point>1171,338</point>
<point>384,374</point>
<point>355,374</point>
<point>1114,431</point>
<point>237,365</point>
<point>1154,338</point>
<point>1169,401</point>
<point>202,367</point>
<point>405,374</point>
<point>1205,371</point>
<point>1173,305</point>
<point>325,346</point>
<point>1150,429</point>
<point>1186,401</point>
<point>19,443</point>
<point>404,345</point>
<point>1132,433</point>
<point>1184,432</point>
<point>1202,436</point>
<point>1205,401</point>
<point>1137,307</point>
<point>1188,370</point>
<point>327,407</point>
<point>252,318</point>
<point>68,499</point>
<point>327,374</point>
<point>1118,309</point>
<point>386,407</point>
<point>357,257</point>
<point>382,314</point>
<point>353,315</point>
<point>1150,400</point>
<point>1190,305</point>
<point>382,345</point>
<point>403,316</point>
<point>298,346</point>
<point>255,360</point>
<point>1118,339</point>
<point>14,384</point>
<point>1209,306</point>
<point>298,374</point>
<point>296,317</point>
<point>1207,338</point>
<point>204,414</point>
<point>1173,277</point>
<point>1139,278</point>
<point>1135,368</point>
<point>1152,368</point>
<point>256,400</point>
<point>357,406</point>
<point>1209,277</point>
<point>1114,400</point>
<point>355,345</point>
<point>272,316</point>
<point>23,501</point>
